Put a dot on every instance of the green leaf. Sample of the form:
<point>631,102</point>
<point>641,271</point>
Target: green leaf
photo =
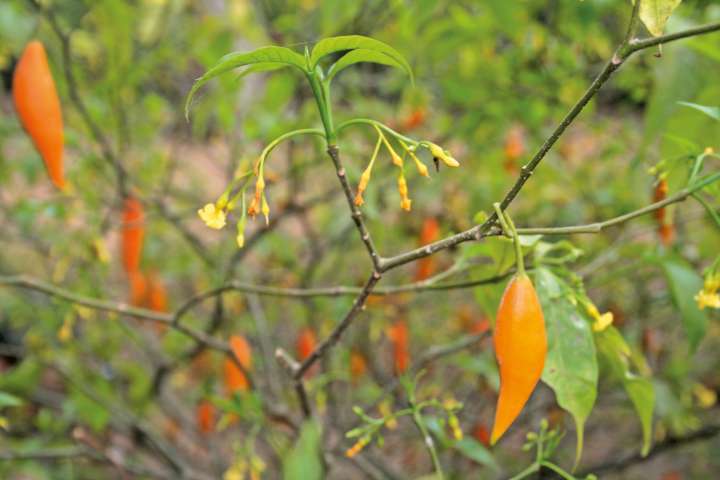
<point>7,400</point>
<point>476,451</point>
<point>684,284</point>
<point>641,393</point>
<point>304,459</point>
<point>261,67</point>
<point>362,55</point>
<point>571,368</point>
<point>353,42</point>
<point>614,349</point>
<point>263,55</point>
<point>655,14</point>
<point>712,112</point>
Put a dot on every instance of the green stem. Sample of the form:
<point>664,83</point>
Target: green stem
<point>323,107</point>
<point>303,131</point>
<point>557,470</point>
<point>509,228</point>
<point>429,443</point>
<point>375,123</point>
<point>527,472</point>
<point>711,211</point>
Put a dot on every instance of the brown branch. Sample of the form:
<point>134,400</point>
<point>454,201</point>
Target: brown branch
<point>626,49</point>
<point>705,433</point>
<point>335,335</point>
<point>334,153</point>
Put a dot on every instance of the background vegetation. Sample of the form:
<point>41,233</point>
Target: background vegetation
<point>90,391</point>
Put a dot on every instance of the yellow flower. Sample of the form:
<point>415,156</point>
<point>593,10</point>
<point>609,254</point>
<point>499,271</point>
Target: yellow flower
<point>602,321</point>
<point>712,283</point>
<point>212,216</point>
<point>420,166</point>
<point>405,202</point>
<point>362,185</point>
<point>455,427</point>
<point>359,445</point>
<point>709,151</point>
<point>437,152</point>
<point>240,240</point>
<point>705,298</point>
<point>265,210</point>
<point>705,396</point>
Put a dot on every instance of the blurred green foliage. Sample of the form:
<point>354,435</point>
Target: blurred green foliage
<point>482,70</point>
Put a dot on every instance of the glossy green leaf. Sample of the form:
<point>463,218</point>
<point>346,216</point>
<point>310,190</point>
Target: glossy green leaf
<point>712,112</point>
<point>261,67</point>
<point>263,55</point>
<point>571,368</point>
<point>613,348</point>
<point>354,42</point>
<point>684,284</point>
<point>304,459</point>
<point>362,55</point>
<point>641,393</point>
<point>655,14</point>
<point>476,451</point>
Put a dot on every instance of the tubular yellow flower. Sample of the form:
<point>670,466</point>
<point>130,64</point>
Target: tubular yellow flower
<point>707,299</point>
<point>260,185</point>
<point>422,169</point>
<point>359,445</point>
<point>602,321</point>
<point>454,425</point>
<point>254,208</point>
<point>437,152</point>
<point>405,202</point>
<point>213,216</point>
<point>365,177</point>
<point>266,210</point>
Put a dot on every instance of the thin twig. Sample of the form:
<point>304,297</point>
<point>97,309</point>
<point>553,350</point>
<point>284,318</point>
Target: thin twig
<point>334,153</point>
<point>626,49</point>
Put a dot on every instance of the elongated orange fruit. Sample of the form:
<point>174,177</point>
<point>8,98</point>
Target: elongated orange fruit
<point>38,106</point>
<point>399,338</point>
<point>132,234</point>
<point>520,349</point>
<point>205,413</point>
<point>235,379</point>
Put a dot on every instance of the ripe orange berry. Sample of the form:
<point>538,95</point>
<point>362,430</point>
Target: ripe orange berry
<point>398,334</point>
<point>205,415</point>
<point>38,107</point>
<point>520,349</point>
<point>429,233</point>
<point>235,379</point>
<point>358,365</point>
<point>132,234</point>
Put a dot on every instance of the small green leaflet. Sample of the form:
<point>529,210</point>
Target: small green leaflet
<point>655,14</point>
<point>571,368</point>
<point>361,55</point>
<point>615,351</point>
<point>642,395</point>
<point>304,461</point>
<point>8,400</point>
<point>684,284</point>
<point>712,112</point>
<point>263,55</point>
<point>354,42</point>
